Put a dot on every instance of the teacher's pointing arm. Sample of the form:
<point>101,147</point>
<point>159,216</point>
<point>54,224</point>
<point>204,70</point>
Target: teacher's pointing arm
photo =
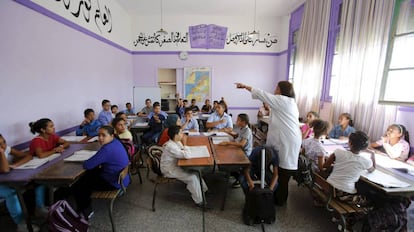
<point>243,86</point>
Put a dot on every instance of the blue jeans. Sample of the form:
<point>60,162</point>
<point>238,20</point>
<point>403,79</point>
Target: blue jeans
<point>12,203</point>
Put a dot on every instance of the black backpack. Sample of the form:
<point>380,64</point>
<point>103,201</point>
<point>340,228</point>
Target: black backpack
<point>304,173</point>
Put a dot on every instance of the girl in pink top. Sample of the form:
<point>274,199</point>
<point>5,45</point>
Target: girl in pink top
<point>396,142</point>
<point>306,129</point>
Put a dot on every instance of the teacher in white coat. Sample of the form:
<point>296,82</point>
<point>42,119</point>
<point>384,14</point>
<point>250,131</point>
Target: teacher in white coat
<point>284,134</point>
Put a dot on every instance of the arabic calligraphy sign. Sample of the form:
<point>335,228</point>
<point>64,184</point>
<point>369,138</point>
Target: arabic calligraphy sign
<point>178,38</point>
<point>207,36</point>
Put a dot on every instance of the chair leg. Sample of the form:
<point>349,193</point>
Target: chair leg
<point>111,205</point>
<point>153,197</point>
<point>139,175</point>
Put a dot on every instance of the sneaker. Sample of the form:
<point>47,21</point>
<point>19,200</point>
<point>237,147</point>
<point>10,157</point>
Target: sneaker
<point>22,227</point>
<point>236,184</point>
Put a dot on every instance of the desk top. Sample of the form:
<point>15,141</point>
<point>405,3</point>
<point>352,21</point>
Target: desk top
<point>64,172</point>
<point>205,161</point>
<point>23,176</point>
<point>140,123</point>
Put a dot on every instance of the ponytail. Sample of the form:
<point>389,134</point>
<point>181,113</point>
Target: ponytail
<point>37,126</point>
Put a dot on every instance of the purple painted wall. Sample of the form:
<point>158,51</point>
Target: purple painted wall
<point>259,70</point>
<point>50,70</point>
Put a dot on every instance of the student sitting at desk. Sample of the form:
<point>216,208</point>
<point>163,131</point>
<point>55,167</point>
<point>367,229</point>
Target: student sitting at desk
<point>307,130</point>
<point>105,116</point>
<point>172,120</point>
<point>206,107</point>
<point>179,109</point>
<point>155,123</point>
<point>174,150</point>
<point>344,128</point>
<point>396,142</point>
<point>114,110</point>
<point>47,142</point>
<point>348,165</point>
<point>89,125</point>
<point>194,106</point>
<point>219,120</point>
<point>312,147</point>
<point>102,170</point>
<point>158,111</point>
<point>7,193</point>
<point>244,138</point>
<point>124,117</point>
<point>252,172</point>
<point>188,122</point>
<point>119,124</point>
<point>215,104</point>
<point>147,109</point>
<point>129,110</point>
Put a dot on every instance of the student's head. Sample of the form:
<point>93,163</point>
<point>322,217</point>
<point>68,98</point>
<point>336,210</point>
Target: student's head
<point>128,106</point>
<point>175,133</point>
<point>89,114</point>
<point>106,105</point>
<point>242,120</point>
<point>185,102</point>
<point>207,102</point>
<point>188,113</point>
<point>358,141</point>
<point>215,103</point>
<point>193,101</point>
<point>42,126</point>
<point>3,144</point>
<point>311,115</point>
<point>148,103</point>
<point>221,108</point>
<point>345,119</point>
<point>121,115</point>
<point>105,135</point>
<point>156,107</point>
<point>320,127</point>
<point>119,125</point>
<point>172,120</point>
<point>285,88</point>
<point>398,131</point>
<point>114,109</point>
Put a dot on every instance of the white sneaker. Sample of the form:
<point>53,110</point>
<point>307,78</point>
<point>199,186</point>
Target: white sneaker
<point>21,227</point>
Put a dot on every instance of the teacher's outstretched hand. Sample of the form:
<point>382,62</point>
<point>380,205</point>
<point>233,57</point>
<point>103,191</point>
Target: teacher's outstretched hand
<point>243,86</point>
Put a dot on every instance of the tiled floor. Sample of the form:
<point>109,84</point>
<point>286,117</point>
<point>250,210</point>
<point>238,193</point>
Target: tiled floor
<point>175,210</point>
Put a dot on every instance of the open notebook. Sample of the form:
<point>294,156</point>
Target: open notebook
<point>80,156</point>
<point>73,138</point>
<point>198,151</point>
<point>37,162</point>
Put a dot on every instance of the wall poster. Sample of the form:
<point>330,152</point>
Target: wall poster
<point>197,83</point>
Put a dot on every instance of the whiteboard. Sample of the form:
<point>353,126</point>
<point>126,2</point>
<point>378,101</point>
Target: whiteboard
<point>142,93</point>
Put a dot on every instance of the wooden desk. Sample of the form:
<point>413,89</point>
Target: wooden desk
<point>198,162</point>
<point>20,178</point>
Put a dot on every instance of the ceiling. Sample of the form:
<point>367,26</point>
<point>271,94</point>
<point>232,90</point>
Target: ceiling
<point>264,8</point>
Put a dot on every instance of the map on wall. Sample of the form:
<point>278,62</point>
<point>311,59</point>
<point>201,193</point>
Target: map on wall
<point>197,83</point>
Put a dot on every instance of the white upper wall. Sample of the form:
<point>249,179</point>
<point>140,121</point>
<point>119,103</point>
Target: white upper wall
<point>105,18</point>
<point>277,27</point>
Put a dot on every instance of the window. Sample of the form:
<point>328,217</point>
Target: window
<point>294,25</point>
<point>398,79</point>
<point>331,62</point>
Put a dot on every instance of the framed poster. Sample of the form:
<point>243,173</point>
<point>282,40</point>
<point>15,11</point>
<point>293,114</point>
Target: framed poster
<point>197,83</point>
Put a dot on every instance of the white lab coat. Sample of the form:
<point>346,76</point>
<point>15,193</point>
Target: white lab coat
<point>283,134</point>
<point>172,152</point>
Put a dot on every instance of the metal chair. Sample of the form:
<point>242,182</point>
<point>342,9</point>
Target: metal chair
<point>113,194</point>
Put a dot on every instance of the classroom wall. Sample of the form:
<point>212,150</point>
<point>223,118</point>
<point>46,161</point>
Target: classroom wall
<point>50,70</point>
<point>260,70</point>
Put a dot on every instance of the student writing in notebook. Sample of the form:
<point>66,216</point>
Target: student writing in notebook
<point>89,125</point>
<point>395,142</point>
<point>174,150</point>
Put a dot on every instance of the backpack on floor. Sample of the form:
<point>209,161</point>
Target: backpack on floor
<point>304,173</point>
<point>63,218</point>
